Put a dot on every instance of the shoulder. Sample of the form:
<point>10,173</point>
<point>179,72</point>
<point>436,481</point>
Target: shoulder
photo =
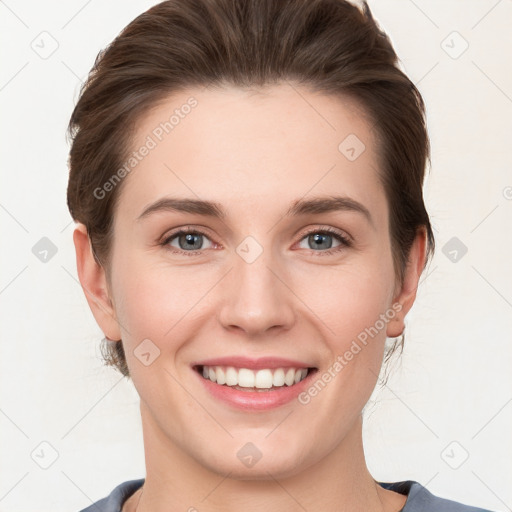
<point>114,501</point>
<point>420,499</point>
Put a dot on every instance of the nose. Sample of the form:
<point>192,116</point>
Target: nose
<point>256,298</point>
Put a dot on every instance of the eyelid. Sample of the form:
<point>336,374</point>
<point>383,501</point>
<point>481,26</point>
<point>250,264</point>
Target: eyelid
<point>189,228</point>
<point>328,229</point>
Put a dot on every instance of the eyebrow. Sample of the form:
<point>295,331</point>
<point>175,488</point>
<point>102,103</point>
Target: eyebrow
<point>299,207</point>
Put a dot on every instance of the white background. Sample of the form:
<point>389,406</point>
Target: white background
<point>454,380</point>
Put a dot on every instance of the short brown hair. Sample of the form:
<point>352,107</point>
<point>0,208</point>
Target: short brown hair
<point>331,46</point>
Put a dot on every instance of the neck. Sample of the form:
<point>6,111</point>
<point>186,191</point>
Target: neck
<point>340,481</point>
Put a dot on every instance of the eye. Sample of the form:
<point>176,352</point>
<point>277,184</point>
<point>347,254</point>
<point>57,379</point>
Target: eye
<point>322,239</point>
<point>188,240</point>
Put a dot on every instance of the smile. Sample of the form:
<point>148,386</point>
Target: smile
<point>253,390</point>
<point>252,380</point>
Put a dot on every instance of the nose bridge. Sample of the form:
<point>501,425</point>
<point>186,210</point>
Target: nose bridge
<point>256,298</point>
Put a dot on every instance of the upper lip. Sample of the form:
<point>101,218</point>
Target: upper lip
<point>253,364</point>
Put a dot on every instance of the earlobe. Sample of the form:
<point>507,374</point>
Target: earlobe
<point>94,284</point>
<point>407,294</point>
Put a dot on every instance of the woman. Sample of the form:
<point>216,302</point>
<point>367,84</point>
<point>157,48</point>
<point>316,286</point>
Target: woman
<point>217,146</point>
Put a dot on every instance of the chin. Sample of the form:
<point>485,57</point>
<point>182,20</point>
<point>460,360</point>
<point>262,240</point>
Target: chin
<point>247,462</point>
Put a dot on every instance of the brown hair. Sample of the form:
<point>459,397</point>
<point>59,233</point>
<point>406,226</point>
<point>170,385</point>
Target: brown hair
<point>330,46</point>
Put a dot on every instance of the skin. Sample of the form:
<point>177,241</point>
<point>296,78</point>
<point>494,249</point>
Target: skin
<point>252,153</point>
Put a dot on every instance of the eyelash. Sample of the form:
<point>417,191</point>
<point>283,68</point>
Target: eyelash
<point>345,241</point>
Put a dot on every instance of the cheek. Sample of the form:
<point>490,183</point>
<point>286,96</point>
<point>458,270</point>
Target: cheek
<point>151,304</point>
<point>152,312</point>
<point>355,313</point>
<point>161,303</point>
<point>360,304</point>
<point>349,298</point>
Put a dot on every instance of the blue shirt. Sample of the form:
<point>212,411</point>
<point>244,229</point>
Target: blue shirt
<point>419,499</point>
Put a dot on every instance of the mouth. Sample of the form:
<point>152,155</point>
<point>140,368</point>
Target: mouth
<point>263,380</point>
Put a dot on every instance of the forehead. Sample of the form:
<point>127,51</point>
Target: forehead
<point>230,144</point>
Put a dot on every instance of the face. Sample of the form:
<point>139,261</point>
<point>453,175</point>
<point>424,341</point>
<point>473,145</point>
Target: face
<point>269,279</point>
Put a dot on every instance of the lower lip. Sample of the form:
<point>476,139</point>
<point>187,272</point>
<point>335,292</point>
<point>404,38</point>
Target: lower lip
<point>255,400</point>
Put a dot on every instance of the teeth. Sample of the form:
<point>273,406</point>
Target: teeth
<point>278,378</point>
<point>246,378</point>
<point>289,378</point>
<point>262,379</point>
<point>221,376</point>
<point>231,376</point>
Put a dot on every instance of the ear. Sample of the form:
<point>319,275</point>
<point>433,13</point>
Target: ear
<point>94,284</point>
<point>407,293</point>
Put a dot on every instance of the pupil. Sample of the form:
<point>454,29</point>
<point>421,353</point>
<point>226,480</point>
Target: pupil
<point>190,239</point>
<point>318,239</point>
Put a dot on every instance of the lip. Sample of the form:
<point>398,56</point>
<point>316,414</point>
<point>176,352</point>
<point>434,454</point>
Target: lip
<point>254,400</point>
<point>253,364</point>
